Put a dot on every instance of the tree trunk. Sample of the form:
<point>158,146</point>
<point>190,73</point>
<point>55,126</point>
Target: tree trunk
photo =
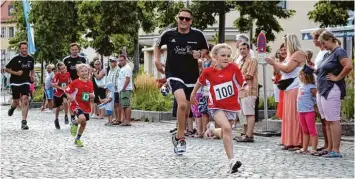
<point>222,22</point>
<point>136,54</point>
<point>42,68</point>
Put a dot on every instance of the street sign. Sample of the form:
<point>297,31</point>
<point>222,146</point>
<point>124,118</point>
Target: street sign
<point>262,46</point>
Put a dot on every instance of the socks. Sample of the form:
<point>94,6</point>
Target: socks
<point>78,137</point>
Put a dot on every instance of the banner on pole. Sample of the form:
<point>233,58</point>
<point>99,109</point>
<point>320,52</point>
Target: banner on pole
<point>29,29</point>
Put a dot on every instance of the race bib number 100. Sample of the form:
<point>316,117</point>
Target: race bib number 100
<point>85,97</point>
<point>224,90</point>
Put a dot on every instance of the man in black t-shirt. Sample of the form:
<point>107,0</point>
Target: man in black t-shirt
<point>184,46</point>
<point>21,68</point>
<point>73,59</point>
<point>70,62</point>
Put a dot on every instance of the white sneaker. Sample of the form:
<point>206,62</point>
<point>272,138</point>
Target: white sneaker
<point>234,165</point>
<point>47,110</point>
<point>93,116</point>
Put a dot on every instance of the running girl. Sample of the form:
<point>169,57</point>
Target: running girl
<point>225,79</point>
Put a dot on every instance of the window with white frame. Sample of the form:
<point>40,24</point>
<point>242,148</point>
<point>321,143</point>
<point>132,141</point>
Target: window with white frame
<point>282,4</point>
<point>3,32</point>
<point>11,32</point>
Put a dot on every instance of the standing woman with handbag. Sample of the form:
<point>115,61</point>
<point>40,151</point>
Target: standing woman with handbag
<point>99,81</point>
<point>290,69</point>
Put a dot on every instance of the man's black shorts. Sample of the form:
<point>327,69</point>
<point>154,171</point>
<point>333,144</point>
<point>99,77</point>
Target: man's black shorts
<point>117,97</point>
<point>58,101</point>
<point>79,112</point>
<point>175,85</point>
<point>17,91</point>
<point>99,92</point>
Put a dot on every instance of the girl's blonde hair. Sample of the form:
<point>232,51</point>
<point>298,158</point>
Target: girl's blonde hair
<point>292,44</point>
<point>327,35</point>
<point>218,47</point>
<point>82,65</point>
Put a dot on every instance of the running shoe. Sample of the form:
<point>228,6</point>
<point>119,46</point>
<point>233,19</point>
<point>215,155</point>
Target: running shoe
<point>180,147</point>
<point>73,129</point>
<point>234,165</point>
<point>56,123</point>
<point>78,143</point>
<point>11,111</point>
<point>24,125</point>
<point>66,120</point>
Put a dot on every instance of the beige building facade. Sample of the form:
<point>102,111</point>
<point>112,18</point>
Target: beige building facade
<point>8,30</point>
<point>296,24</point>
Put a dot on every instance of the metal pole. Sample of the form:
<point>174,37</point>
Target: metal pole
<point>222,23</point>
<point>265,97</point>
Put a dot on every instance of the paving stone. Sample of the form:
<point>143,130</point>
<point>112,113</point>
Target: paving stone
<point>144,150</point>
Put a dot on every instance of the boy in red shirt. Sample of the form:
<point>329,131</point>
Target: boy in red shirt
<point>225,80</point>
<point>79,93</point>
<point>59,82</point>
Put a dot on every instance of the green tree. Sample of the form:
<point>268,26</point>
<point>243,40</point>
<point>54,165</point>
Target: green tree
<point>331,13</point>
<point>113,25</point>
<point>264,14</point>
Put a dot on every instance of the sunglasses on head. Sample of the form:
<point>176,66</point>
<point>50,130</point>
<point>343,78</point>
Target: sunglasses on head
<point>187,19</point>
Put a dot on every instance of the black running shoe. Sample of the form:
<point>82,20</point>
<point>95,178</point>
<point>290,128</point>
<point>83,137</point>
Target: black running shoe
<point>24,125</point>
<point>234,165</point>
<point>56,123</point>
<point>66,120</point>
<point>11,111</point>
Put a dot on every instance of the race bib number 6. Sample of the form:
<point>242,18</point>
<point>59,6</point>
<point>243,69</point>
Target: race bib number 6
<point>224,90</point>
<point>85,96</point>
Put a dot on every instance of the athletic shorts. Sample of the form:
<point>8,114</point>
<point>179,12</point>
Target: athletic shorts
<point>175,85</point>
<point>229,114</point>
<point>77,111</point>
<point>17,91</point>
<point>58,101</point>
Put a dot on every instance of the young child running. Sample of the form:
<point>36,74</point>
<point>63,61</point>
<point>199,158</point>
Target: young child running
<point>225,79</point>
<point>59,82</point>
<point>108,103</point>
<point>79,93</point>
<point>305,107</point>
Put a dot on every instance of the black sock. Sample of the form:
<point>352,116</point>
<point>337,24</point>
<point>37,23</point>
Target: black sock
<point>24,122</point>
<point>66,115</point>
<point>72,117</point>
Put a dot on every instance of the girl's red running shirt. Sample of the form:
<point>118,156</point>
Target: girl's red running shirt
<point>224,85</point>
<point>80,91</point>
<point>61,80</point>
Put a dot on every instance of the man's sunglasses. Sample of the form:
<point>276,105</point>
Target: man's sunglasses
<point>187,19</point>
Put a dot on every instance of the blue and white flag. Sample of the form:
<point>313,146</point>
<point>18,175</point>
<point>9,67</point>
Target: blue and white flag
<point>30,34</point>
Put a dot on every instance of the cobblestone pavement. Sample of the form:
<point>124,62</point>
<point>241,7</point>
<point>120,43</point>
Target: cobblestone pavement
<point>145,150</point>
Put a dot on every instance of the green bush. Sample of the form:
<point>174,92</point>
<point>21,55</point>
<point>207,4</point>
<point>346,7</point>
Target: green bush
<point>147,95</point>
<point>151,101</point>
<point>38,95</point>
<point>271,104</point>
<point>347,105</point>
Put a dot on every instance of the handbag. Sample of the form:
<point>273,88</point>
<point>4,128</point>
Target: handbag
<point>101,83</point>
<point>283,84</point>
